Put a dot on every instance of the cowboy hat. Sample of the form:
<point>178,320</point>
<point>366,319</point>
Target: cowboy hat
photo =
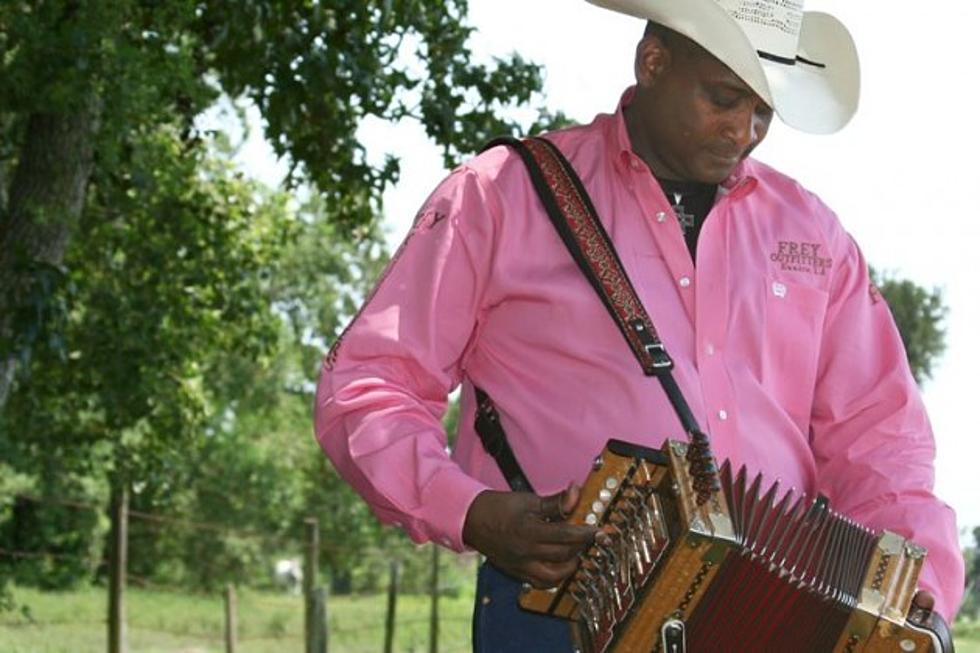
<point>801,63</point>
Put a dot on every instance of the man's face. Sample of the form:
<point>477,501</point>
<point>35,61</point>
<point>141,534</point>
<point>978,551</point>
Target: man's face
<point>695,117</point>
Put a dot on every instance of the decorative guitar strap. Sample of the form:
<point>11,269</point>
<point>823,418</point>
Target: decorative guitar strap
<point>573,215</point>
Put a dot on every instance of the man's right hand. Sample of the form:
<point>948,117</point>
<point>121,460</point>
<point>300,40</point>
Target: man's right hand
<point>524,535</point>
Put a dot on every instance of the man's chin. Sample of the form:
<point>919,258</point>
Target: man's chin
<point>716,169</point>
<point>714,177</point>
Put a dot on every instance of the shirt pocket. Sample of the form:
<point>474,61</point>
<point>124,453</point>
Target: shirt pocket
<point>790,350</point>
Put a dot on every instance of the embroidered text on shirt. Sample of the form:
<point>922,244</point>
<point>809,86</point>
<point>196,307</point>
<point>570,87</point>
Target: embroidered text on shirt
<point>800,257</point>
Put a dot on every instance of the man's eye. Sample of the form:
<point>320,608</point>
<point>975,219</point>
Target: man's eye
<point>723,101</point>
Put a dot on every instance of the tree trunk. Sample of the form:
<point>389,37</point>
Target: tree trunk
<point>44,201</point>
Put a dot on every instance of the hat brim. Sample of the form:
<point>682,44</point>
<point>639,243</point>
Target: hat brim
<point>818,100</point>
<point>814,99</point>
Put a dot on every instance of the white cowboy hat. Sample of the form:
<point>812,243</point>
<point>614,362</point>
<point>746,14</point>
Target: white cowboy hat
<point>801,63</point>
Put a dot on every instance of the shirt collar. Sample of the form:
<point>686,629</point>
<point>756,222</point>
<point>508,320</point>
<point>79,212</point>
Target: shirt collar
<point>741,179</point>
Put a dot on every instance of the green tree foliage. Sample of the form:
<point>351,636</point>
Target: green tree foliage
<point>971,599</point>
<point>83,79</point>
<point>919,314</point>
<point>166,315</point>
<point>317,69</point>
<point>174,269</point>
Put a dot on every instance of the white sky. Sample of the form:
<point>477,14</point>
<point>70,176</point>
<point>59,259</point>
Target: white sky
<point>899,176</point>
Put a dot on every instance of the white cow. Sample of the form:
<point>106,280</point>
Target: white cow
<point>288,574</point>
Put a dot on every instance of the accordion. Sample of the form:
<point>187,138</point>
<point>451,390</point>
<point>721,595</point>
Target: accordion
<point>739,567</point>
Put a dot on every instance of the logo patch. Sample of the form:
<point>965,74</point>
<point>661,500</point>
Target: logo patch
<point>427,219</point>
<point>794,256</point>
<point>874,293</point>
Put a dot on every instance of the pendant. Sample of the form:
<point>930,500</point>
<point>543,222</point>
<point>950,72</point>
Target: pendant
<point>685,219</point>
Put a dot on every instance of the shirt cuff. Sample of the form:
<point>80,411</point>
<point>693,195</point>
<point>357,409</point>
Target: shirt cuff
<point>447,498</point>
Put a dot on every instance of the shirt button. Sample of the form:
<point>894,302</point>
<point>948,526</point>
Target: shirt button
<point>636,165</point>
<point>709,349</point>
<point>447,542</point>
<point>723,414</point>
<point>661,216</point>
<point>684,281</point>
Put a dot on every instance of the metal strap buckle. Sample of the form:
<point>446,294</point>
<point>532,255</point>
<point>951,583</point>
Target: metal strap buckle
<point>658,353</point>
<point>653,347</point>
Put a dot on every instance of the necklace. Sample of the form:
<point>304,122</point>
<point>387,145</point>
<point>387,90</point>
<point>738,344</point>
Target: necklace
<point>685,219</point>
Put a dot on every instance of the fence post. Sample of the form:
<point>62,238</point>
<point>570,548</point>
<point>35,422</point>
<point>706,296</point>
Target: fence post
<point>392,598</point>
<point>231,619</point>
<point>320,639</point>
<point>119,509</point>
<point>434,609</point>
<point>314,621</point>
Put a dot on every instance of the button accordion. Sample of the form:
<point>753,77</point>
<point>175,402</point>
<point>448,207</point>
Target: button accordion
<point>739,567</point>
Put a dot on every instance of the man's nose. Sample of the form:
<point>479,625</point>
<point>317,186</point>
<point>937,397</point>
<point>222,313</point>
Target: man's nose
<point>744,129</point>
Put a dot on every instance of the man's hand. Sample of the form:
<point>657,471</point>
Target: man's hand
<point>923,614</point>
<point>522,534</point>
<point>924,601</point>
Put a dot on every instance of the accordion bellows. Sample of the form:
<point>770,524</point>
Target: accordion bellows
<point>750,569</point>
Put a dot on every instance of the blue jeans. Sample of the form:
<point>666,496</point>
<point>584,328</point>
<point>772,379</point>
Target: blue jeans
<point>501,626</point>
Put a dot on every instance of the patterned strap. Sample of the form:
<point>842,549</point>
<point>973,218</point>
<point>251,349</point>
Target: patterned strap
<point>573,215</point>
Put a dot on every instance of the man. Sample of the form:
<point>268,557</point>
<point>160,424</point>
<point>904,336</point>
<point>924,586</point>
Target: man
<point>781,344</point>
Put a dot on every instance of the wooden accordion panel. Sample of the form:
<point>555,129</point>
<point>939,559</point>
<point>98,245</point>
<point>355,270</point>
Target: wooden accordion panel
<point>749,570</point>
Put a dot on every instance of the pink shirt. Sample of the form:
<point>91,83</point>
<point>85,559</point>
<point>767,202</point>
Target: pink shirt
<point>785,351</point>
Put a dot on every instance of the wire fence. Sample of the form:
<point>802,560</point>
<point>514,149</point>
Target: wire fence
<point>148,614</point>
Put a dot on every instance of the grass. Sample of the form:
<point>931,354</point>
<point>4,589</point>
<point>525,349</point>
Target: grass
<point>967,637</point>
<point>165,622</point>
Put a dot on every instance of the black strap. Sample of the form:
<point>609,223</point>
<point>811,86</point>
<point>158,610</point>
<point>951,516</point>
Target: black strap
<point>494,440</point>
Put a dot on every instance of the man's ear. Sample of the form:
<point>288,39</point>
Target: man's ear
<point>652,59</point>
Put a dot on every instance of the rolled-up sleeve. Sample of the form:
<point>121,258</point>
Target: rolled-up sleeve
<point>383,387</point>
<point>870,434</point>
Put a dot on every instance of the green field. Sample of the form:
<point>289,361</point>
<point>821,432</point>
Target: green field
<point>162,622</point>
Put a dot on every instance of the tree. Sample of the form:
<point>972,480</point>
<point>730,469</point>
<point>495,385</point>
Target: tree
<point>919,314</point>
<point>67,68</point>
<point>174,269</point>
<point>124,291</point>
<point>80,80</point>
